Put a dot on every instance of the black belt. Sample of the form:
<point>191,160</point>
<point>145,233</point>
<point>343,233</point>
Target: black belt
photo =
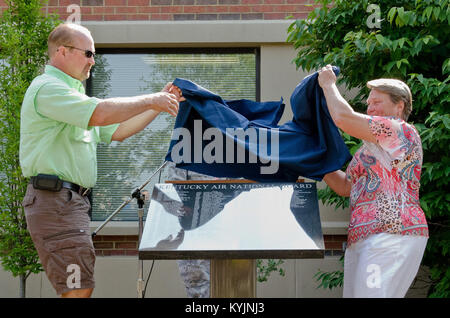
<point>77,188</point>
<point>72,186</point>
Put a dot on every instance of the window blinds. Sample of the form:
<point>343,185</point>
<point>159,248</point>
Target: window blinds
<point>123,167</point>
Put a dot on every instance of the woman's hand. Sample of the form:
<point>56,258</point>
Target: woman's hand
<point>326,77</point>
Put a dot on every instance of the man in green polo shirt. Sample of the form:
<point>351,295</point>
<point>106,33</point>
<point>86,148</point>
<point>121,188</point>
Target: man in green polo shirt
<point>60,129</point>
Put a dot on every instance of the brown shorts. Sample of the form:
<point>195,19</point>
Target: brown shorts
<point>59,226</point>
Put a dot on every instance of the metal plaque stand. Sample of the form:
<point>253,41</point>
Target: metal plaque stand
<point>232,271</point>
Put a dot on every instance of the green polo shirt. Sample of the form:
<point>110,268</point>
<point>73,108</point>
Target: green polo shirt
<point>54,134</point>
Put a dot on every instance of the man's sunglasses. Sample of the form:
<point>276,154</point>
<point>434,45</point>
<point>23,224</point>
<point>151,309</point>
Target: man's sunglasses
<point>87,53</point>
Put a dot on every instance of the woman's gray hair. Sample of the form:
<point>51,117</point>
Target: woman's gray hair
<point>397,91</point>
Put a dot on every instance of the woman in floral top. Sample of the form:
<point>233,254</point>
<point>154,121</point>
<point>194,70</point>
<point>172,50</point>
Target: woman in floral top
<point>388,231</point>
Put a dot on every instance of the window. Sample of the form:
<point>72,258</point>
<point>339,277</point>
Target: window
<point>123,167</point>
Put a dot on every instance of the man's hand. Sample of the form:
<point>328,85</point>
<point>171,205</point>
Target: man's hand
<point>164,102</point>
<point>167,87</point>
<point>326,76</point>
<point>177,92</point>
<point>172,89</point>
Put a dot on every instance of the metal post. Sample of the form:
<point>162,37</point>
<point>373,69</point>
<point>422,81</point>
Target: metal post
<point>140,282</point>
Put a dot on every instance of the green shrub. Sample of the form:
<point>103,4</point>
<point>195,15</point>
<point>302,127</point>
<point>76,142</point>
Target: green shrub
<point>23,46</point>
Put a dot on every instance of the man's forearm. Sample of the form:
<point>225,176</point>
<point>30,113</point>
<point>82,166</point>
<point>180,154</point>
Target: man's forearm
<point>134,125</point>
<point>119,109</point>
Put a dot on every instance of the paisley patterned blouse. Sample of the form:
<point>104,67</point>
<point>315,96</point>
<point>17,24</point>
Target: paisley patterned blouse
<point>385,181</point>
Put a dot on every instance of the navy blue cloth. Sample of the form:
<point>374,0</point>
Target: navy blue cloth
<point>308,146</point>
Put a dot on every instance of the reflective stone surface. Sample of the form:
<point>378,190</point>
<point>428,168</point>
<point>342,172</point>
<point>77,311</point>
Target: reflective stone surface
<point>233,220</point>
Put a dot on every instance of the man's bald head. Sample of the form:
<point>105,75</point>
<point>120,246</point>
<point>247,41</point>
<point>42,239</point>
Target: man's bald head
<point>64,35</point>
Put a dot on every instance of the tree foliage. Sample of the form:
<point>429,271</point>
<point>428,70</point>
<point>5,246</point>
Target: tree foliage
<point>403,39</point>
<point>23,43</point>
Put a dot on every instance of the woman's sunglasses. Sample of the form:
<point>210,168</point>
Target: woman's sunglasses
<point>87,53</point>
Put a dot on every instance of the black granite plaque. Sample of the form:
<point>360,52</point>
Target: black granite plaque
<point>233,220</point>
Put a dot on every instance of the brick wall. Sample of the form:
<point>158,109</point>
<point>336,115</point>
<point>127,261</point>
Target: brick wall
<point>334,244</point>
<point>179,10</point>
<point>115,245</point>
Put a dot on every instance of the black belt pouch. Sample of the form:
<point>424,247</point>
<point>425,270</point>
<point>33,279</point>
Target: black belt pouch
<point>47,182</point>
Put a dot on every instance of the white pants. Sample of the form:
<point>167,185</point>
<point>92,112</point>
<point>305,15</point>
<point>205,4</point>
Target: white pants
<point>383,265</point>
